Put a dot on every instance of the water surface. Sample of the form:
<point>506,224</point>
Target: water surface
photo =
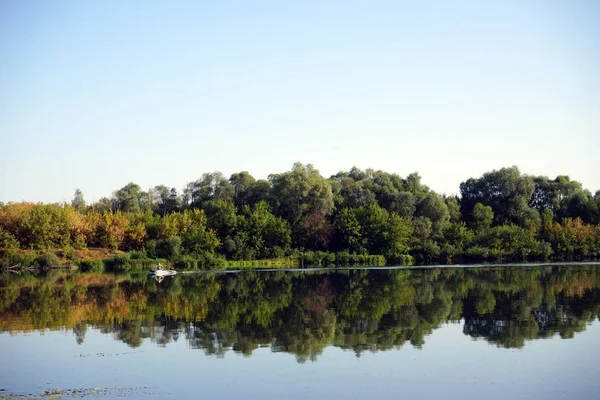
<point>502,332</point>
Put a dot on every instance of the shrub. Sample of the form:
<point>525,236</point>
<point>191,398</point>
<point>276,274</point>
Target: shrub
<point>186,263</point>
<point>204,261</point>
<point>476,253</point>
<point>68,252</point>
<point>94,266</point>
<point>47,260</point>
<point>211,261</point>
<point>138,255</point>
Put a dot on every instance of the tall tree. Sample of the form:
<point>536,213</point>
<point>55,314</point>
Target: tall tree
<point>242,184</point>
<point>305,199</point>
<point>78,202</point>
<point>212,186</point>
<point>128,198</point>
<point>505,190</point>
<point>161,196</point>
<point>434,208</point>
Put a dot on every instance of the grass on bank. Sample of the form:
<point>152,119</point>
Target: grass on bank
<point>104,260</point>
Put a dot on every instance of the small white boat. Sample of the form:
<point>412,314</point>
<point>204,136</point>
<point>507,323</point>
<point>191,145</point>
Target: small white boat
<point>159,270</point>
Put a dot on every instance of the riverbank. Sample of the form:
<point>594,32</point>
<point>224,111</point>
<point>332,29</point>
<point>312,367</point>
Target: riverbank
<point>99,260</point>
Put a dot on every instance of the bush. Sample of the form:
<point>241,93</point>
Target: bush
<point>24,260</point>
<point>68,252</point>
<point>403,259</point>
<point>476,254</point>
<point>137,255</point>
<point>47,260</point>
<point>204,261</point>
<point>211,261</point>
<point>186,263</point>
<point>94,266</point>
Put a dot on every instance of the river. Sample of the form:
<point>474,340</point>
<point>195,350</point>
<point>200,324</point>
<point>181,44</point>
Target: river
<point>503,332</point>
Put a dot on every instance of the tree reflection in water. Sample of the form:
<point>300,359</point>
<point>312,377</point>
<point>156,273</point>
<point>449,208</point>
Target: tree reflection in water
<point>304,312</point>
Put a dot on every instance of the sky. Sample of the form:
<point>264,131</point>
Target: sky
<point>94,95</point>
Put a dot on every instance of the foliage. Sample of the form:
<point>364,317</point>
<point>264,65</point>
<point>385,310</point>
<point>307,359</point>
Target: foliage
<point>302,313</point>
<point>94,266</point>
<point>47,259</point>
<point>501,215</point>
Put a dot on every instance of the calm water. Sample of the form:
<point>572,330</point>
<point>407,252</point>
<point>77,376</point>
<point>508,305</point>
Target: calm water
<point>494,333</point>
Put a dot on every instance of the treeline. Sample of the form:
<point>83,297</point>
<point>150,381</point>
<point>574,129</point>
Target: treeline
<point>502,215</point>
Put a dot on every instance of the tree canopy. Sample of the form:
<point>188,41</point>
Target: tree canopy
<point>503,214</point>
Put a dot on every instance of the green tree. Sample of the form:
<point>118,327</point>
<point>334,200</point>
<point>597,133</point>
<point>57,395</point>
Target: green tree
<point>386,233</point>
<point>128,198</point>
<point>433,207</point>
<point>197,238</point>
<point>483,216</point>
<point>305,199</point>
<point>511,240</point>
<point>222,217</point>
<point>7,240</point>
<point>212,186</point>
<point>506,191</point>
<point>349,229</point>
<point>242,184</point>
<point>78,203</point>
<point>404,204</point>
<point>453,204</point>
<point>266,234</point>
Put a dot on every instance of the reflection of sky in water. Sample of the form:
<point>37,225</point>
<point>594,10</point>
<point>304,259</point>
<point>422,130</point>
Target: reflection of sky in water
<point>449,365</point>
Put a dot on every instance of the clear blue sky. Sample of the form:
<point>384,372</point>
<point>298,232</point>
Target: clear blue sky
<point>95,94</point>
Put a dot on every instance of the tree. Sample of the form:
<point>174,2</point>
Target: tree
<point>43,226</point>
<point>222,217</point>
<point>506,191</point>
<point>108,229</point>
<point>160,197</point>
<point>197,238</point>
<point>459,236</point>
<point>103,205</point>
<point>483,216</point>
<point>554,195</point>
<point>188,195</point>
<point>511,240</point>
<point>301,191</point>
<point>385,233</point>
<point>453,204</point>
<point>304,198</point>
<point>583,205</point>
<point>350,231</point>
<point>242,184</point>
<point>356,194</point>
<point>173,201</point>
<point>78,203</point>
<point>7,240</point>
<point>212,186</point>
<point>413,185</point>
<point>128,198</point>
<point>433,207</point>
<point>266,234</point>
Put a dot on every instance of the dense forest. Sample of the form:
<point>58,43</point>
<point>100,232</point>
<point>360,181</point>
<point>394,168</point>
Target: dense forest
<point>299,214</point>
<point>302,313</point>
